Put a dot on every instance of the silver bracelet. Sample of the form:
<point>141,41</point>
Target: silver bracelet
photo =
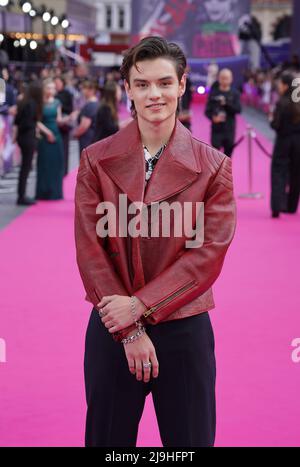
<point>133,310</point>
<point>134,337</point>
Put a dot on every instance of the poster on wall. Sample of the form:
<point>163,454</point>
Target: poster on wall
<point>203,28</point>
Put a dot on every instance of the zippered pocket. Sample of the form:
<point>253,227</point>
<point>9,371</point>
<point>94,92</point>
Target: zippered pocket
<point>163,302</point>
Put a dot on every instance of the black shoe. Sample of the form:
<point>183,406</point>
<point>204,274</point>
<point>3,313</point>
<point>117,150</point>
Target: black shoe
<point>289,211</point>
<point>275,214</point>
<point>26,201</point>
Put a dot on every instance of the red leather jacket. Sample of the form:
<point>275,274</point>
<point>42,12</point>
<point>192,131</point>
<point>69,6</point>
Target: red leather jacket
<point>172,281</point>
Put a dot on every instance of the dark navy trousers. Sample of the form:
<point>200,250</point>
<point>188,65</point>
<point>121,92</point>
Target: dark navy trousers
<point>183,393</point>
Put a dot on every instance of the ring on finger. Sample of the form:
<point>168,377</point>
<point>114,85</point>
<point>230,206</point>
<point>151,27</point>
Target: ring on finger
<point>101,312</point>
<point>147,365</point>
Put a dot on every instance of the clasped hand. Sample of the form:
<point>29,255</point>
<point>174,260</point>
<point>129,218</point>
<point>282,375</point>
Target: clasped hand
<point>118,315</point>
<point>117,311</point>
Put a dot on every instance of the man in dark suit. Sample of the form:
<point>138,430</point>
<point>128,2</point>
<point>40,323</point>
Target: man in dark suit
<point>222,106</point>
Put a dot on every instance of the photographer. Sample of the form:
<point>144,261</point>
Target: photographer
<point>222,106</point>
<point>285,168</point>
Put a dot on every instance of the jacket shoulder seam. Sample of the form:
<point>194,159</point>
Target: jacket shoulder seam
<point>213,157</point>
<point>96,150</point>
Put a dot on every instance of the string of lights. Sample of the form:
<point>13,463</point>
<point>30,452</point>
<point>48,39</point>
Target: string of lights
<point>28,8</point>
<point>48,16</point>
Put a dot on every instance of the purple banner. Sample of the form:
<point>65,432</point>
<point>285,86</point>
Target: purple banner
<point>200,67</point>
<point>82,18</point>
<point>81,27</point>
<point>12,22</point>
<point>204,29</point>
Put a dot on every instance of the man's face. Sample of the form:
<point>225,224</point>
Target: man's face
<point>282,87</point>
<point>218,10</point>
<point>87,92</point>
<point>225,79</point>
<point>59,84</point>
<point>155,89</point>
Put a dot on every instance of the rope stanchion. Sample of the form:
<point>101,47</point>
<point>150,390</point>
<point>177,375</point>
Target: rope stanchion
<point>250,195</point>
<point>239,141</point>
<point>262,147</point>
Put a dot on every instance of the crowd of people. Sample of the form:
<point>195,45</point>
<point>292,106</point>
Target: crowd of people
<point>51,107</point>
<point>277,95</point>
<point>260,88</point>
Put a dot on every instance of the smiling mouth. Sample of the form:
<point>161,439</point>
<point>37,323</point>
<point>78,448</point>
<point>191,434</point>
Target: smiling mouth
<point>155,105</point>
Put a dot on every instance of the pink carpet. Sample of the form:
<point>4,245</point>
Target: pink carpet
<point>43,321</point>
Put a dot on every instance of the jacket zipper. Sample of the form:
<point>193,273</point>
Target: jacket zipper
<point>168,299</point>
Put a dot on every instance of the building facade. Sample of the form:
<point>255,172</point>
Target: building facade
<point>269,14</point>
<point>113,16</point>
<point>113,27</point>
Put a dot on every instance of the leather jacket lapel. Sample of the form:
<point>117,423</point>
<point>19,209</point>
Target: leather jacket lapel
<point>176,169</point>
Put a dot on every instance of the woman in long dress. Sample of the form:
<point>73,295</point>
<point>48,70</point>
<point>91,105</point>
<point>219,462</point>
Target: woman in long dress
<point>50,162</point>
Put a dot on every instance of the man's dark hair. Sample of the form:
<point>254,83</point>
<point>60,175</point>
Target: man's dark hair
<point>150,48</point>
<point>61,78</point>
<point>90,84</point>
<point>33,93</point>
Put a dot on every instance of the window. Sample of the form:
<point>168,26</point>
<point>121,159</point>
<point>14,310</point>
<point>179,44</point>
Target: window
<point>108,15</point>
<point>121,17</point>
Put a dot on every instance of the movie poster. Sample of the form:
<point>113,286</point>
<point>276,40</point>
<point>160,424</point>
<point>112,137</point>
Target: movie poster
<point>205,29</point>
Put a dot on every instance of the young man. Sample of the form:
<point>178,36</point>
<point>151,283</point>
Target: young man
<point>149,329</point>
<point>222,106</point>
